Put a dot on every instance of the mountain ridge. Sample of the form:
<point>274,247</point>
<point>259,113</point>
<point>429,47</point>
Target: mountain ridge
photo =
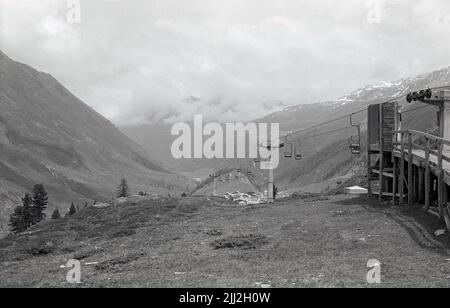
<point>294,118</point>
<point>49,136</point>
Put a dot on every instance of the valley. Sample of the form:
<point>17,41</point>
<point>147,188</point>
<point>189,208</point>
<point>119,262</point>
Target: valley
<point>326,156</point>
<point>203,145</point>
<point>49,136</point>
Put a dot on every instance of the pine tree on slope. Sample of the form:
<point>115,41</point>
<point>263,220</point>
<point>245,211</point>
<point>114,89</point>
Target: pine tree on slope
<point>40,202</point>
<point>123,190</point>
<point>72,210</point>
<point>56,214</point>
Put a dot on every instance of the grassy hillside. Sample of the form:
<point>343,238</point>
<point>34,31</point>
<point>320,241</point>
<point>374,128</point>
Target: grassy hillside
<point>208,242</point>
<point>49,136</point>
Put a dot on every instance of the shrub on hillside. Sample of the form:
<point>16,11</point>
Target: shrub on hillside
<point>56,214</point>
<point>72,210</point>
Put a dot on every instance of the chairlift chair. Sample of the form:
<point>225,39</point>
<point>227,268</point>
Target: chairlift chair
<point>298,156</point>
<point>355,145</point>
<point>288,152</point>
<point>355,148</point>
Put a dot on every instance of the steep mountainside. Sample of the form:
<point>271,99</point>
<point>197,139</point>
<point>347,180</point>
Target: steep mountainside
<point>157,140</point>
<point>49,136</point>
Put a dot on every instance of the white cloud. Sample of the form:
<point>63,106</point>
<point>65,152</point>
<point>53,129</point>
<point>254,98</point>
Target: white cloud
<point>228,59</point>
<point>58,36</point>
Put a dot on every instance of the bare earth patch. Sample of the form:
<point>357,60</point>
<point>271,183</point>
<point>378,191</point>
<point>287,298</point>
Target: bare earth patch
<point>242,242</point>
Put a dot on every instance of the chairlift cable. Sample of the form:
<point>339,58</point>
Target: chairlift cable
<point>344,117</point>
<point>414,109</point>
<point>357,112</point>
<point>327,133</point>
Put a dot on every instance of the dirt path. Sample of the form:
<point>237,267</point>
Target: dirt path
<point>298,243</point>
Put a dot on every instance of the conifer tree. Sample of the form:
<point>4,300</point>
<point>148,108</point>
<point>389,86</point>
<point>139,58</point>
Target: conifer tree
<point>27,203</point>
<point>56,214</point>
<point>40,202</point>
<point>72,210</point>
<point>17,222</point>
<point>123,190</point>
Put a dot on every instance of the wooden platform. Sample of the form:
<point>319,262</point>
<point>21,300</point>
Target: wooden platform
<point>420,161</point>
<point>410,165</point>
<point>422,168</point>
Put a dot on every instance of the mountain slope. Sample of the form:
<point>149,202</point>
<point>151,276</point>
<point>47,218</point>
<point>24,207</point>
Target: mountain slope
<point>326,156</point>
<point>157,140</point>
<point>49,136</point>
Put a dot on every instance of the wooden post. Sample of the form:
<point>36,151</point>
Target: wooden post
<point>410,171</point>
<point>417,188</point>
<point>440,180</point>
<point>445,129</point>
<point>445,196</point>
<point>445,118</point>
<point>369,157</point>
<point>421,185</point>
<point>446,212</point>
<point>270,198</point>
<point>381,177</point>
<point>427,176</point>
<point>415,184</point>
<point>394,181</point>
<point>402,170</point>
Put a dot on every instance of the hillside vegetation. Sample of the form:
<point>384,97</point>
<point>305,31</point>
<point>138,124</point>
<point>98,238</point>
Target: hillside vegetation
<point>308,241</point>
<point>48,136</point>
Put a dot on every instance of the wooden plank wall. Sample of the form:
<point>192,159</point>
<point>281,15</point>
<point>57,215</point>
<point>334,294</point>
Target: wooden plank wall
<point>389,114</point>
<point>382,121</point>
<point>374,127</point>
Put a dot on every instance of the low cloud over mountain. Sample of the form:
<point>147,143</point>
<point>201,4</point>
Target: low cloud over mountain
<point>237,60</point>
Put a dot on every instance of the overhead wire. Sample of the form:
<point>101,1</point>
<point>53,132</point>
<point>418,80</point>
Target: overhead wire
<point>356,112</point>
<point>344,117</point>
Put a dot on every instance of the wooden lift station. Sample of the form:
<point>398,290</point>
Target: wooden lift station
<point>408,164</point>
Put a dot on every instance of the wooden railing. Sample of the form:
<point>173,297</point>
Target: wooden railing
<point>434,145</point>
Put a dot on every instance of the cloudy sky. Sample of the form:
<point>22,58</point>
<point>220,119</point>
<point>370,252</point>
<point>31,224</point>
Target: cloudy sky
<point>146,60</point>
